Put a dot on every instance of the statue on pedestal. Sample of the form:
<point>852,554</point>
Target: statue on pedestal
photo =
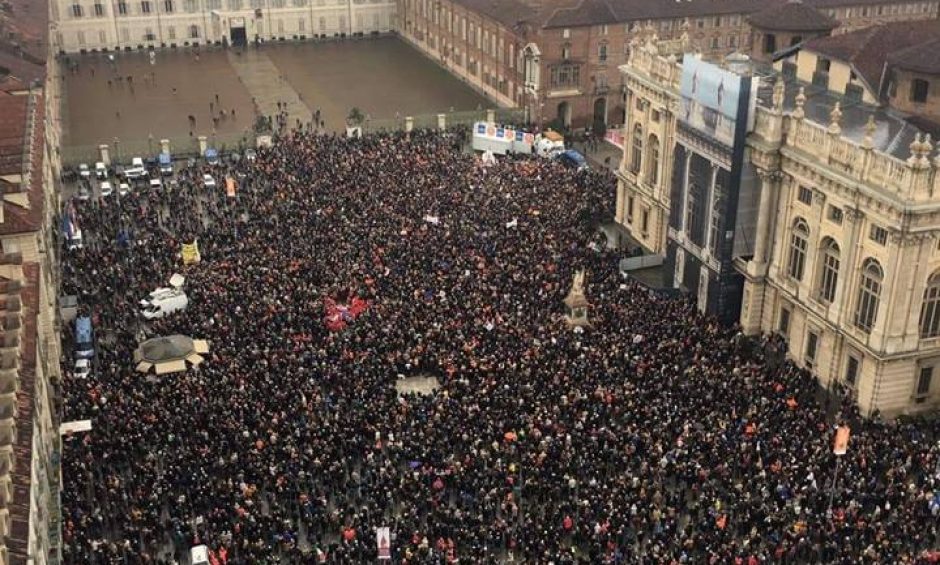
<point>576,303</point>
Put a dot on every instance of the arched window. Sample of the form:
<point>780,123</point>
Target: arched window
<point>637,157</point>
<point>652,173</point>
<point>799,239</point>
<point>869,293</point>
<point>930,309</point>
<point>828,270</point>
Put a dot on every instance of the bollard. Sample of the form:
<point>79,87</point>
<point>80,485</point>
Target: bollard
<point>202,145</point>
<point>442,122</point>
<point>105,154</point>
<point>491,116</point>
<point>409,124</point>
<point>165,146</point>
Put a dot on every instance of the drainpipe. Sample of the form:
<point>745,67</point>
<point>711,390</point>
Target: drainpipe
<point>117,36</point>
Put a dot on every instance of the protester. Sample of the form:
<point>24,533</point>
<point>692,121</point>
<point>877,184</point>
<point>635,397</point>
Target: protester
<point>654,436</point>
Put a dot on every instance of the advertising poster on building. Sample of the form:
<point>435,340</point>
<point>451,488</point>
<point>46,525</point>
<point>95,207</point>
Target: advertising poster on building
<point>710,99</point>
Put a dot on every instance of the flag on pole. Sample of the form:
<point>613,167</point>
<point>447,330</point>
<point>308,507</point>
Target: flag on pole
<point>384,543</point>
<point>840,445</point>
<point>190,253</point>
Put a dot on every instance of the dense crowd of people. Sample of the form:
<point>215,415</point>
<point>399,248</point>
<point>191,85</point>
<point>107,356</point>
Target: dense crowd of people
<point>653,436</point>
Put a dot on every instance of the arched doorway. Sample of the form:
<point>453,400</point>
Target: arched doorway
<point>600,114</point>
<point>564,114</point>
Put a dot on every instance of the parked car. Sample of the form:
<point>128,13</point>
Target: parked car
<point>136,170</point>
<point>84,193</point>
<point>124,189</point>
<point>83,171</point>
<point>250,154</point>
<point>106,188</point>
<point>572,159</point>
<point>212,156</point>
<point>208,181</point>
<point>82,369</point>
<point>156,183</point>
<point>166,164</point>
<point>101,171</point>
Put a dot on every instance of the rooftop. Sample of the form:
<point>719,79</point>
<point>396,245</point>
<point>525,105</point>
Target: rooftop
<point>598,12</point>
<point>867,50</point>
<point>793,16</point>
<point>894,131</point>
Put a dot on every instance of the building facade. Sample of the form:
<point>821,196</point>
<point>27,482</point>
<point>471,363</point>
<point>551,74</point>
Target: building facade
<point>575,47</point>
<point>109,25</point>
<point>848,264</point>
<point>30,375</point>
<point>644,176</point>
<point>842,250</point>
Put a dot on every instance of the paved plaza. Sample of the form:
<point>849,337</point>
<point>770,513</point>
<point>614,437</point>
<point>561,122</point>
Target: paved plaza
<point>134,100</point>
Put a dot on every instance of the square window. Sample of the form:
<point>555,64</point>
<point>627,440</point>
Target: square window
<point>835,215</point>
<point>805,196</point>
<point>852,366</point>
<point>923,384</point>
<point>812,347</point>
<point>919,90</point>
<point>878,234</point>
<point>784,324</point>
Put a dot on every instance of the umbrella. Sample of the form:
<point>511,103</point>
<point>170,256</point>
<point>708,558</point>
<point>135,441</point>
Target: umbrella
<point>170,354</point>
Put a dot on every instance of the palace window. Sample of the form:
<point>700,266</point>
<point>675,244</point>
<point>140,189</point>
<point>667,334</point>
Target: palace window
<point>652,173</point>
<point>923,384</point>
<point>636,158</point>
<point>805,196</point>
<point>919,89</point>
<point>930,309</point>
<point>829,271</point>
<point>565,75</point>
<point>798,243</point>
<point>878,234</point>
<point>869,295</point>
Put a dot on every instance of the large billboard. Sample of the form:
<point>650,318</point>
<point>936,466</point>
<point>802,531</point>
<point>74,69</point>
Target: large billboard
<point>711,99</point>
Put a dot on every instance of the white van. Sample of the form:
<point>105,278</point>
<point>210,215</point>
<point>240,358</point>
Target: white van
<point>162,302</point>
<point>199,555</point>
<point>75,242</point>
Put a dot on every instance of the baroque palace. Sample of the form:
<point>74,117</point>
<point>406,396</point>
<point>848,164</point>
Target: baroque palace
<point>835,232</point>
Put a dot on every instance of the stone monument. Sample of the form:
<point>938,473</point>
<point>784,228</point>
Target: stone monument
<point>576,303</point>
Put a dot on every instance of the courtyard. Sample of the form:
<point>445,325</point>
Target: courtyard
<point>131,101</point>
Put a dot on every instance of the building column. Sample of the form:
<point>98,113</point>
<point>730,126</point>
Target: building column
<point>710,204</point>
<point>685,194</point>
<point>768,193</point>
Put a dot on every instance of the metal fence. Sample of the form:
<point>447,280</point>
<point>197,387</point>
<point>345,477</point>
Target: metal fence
<point>451,119</point>
<point>122,150</point>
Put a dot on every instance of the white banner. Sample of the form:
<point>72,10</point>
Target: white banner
<point>383,540</point>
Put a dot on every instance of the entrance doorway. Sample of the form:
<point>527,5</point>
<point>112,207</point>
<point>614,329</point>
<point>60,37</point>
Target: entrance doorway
<point>600,114</point>
<point>564,114</point>
<point>237,35</point>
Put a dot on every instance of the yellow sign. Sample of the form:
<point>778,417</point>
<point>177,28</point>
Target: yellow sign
<point>190,253</point>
